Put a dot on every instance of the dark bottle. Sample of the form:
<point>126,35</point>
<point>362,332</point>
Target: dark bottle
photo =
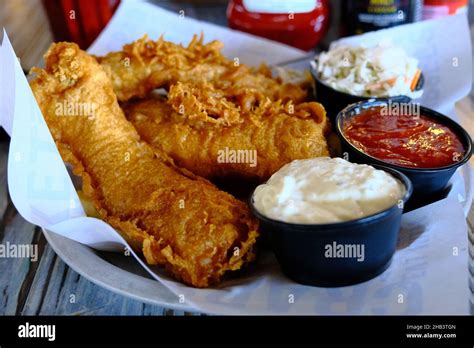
<point>360,16</point>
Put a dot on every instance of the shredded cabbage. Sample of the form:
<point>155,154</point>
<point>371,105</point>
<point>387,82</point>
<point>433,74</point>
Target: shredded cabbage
<point>384,70</point>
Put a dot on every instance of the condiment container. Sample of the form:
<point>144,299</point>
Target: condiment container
<point>429,184</point>
<point>337,254</point>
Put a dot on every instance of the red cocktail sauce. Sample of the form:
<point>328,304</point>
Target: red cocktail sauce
<point>405,140</point>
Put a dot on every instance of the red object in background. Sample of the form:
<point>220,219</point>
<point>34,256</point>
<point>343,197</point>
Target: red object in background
<point>301,23</point>
<point>79,21</point>
<point>440,8</point>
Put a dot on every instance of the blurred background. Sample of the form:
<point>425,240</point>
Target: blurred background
<point>306,24</point>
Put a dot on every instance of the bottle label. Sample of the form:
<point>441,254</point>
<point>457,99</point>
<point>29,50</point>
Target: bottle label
<point>280,6</point>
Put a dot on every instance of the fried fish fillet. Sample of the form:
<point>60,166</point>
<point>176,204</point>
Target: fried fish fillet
<point>213,137</point>
<point>175,218</point>
<point>145,65</point>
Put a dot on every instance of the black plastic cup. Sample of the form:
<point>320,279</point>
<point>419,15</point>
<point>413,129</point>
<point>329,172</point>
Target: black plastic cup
<point>302,250</point>
<point>334,100</point>
<point>429,184</point>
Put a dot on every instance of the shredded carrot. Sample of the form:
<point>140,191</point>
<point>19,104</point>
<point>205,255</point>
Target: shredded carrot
<point>378,85</point>
<point>415,80</point>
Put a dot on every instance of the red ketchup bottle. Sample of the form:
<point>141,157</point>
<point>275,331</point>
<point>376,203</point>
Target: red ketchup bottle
<point>79,21</point>
<point>298,23</point>
<point>440,8</point>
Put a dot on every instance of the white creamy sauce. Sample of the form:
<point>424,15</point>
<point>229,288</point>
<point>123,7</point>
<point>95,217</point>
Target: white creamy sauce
<point>326,190</point>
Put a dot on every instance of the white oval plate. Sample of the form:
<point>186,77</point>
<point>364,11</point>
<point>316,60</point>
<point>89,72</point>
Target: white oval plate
<point>123,275</point>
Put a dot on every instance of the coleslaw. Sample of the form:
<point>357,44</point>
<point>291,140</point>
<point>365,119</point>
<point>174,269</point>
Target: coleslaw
<point>384,70</point>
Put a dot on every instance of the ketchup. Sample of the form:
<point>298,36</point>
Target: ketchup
<point>301,23</point>
<point>406,139</point>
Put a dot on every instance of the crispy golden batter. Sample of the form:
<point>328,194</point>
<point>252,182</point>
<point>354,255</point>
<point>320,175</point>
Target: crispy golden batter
<point>215,138</point>
<point>145,65</point>
<point>176,219</point>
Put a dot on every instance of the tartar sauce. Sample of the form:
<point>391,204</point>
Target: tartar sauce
<point>326,190</point>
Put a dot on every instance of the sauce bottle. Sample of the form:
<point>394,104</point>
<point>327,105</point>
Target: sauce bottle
<point>440,8</point>
<point>298,23</point>
<point>360,16</point>
<point>79,21</point>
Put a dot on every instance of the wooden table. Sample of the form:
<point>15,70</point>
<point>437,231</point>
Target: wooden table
<point>48,286</point>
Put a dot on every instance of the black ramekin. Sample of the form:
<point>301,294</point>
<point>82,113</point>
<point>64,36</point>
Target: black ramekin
<point>334,100</point>
<point>429,184</point>
<point>301,248</point>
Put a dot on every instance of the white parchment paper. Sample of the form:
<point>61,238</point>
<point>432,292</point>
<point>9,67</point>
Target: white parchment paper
<point>429,272</point>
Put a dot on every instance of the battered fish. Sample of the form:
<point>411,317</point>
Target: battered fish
<point>145,65</point>
<point>174,217</point>
<point>216,138</point>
